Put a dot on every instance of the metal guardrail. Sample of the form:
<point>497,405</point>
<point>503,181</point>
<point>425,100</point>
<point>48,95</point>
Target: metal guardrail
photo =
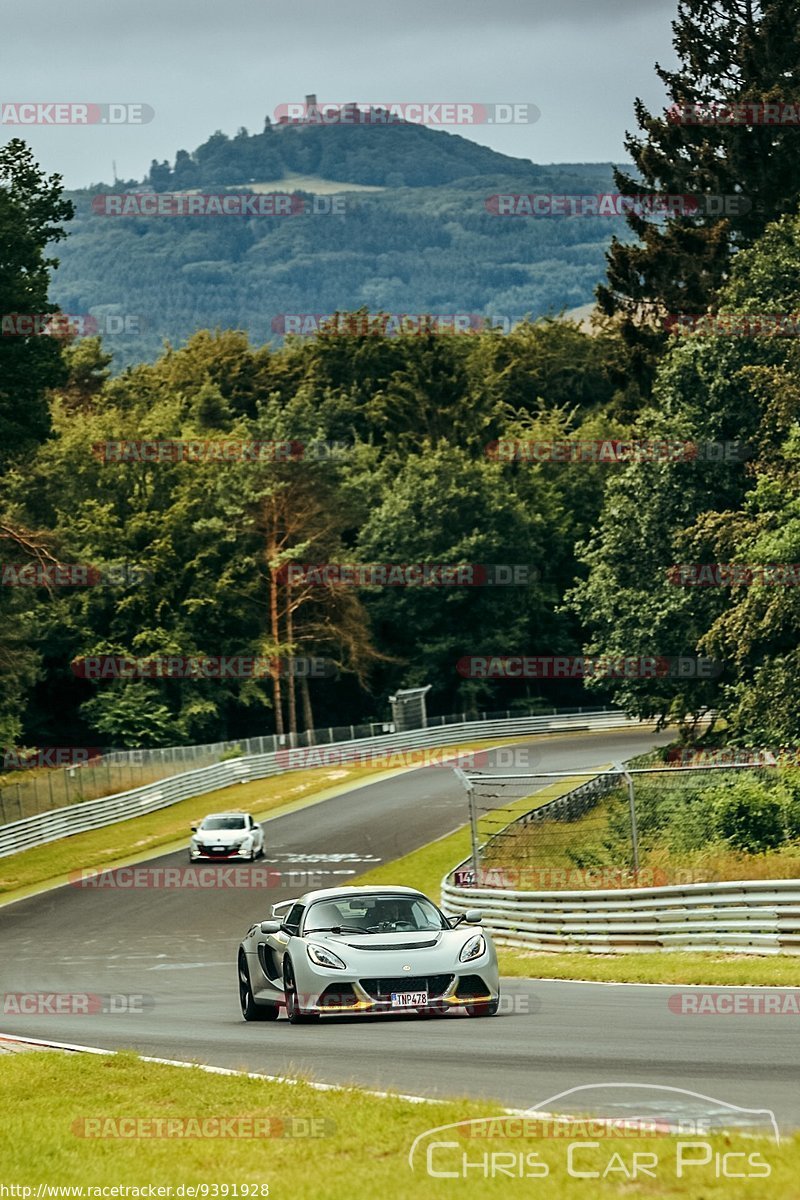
<point>746,916</point>
<point>94,814</point>
<point>103,771</point>
<point>736,917</point>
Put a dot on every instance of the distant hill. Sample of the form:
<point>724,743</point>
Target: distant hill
<point>395,155</point>
<point>422,239</point>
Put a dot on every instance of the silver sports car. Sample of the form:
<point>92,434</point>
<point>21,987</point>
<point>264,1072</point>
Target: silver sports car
<point>366,950</point>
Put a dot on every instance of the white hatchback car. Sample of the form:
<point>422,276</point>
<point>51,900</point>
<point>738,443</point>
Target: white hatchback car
<point>226,835</point>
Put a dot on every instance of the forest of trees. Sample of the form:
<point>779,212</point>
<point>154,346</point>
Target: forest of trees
<point>427,243</point>
<point>407,471</point>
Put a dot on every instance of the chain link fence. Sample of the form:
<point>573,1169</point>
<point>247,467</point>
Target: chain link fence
<point>28,793</point>
<point>636,827</point>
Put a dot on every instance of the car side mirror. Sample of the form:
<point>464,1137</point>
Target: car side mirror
<point>473,916</point>
<point>270,926</point>
<point>193,828</point>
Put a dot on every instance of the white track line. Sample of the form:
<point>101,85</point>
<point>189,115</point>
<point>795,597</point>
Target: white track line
<point>210,1070</point>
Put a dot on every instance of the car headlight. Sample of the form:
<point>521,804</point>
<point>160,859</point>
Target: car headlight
<point>474,948</point>
<point>325,958</point>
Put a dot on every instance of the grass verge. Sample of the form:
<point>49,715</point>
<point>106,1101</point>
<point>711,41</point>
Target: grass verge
<point>659,967</point>
<point>361,1148</point>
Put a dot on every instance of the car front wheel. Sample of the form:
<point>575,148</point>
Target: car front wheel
<point>487,1009</point>
<point>250,1010</point>
<point>294,1012</point>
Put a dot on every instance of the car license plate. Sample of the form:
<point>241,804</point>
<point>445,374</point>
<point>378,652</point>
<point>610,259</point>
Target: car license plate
<point>409,999</point>
<point>217,848</point>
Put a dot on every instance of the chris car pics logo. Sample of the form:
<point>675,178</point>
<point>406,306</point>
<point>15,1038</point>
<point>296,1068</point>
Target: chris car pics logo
<point>624,1132</point>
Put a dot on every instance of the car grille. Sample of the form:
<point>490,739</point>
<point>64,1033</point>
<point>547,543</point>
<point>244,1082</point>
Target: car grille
<point>209,853</point>
<point>381,989</point>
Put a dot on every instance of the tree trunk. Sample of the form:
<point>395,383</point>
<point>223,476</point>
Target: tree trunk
<point>291,661</point>
<point>308,715</point>
<point>275,630</point>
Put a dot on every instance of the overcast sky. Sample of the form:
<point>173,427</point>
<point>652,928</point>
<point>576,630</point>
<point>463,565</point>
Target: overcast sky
<point>205,65</point>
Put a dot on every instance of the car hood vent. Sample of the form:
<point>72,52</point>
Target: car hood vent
<point>394,945</point>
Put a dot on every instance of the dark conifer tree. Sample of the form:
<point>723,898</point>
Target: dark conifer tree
<point>718,138</point>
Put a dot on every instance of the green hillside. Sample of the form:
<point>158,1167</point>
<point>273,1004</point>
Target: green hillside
<point>424,243</point>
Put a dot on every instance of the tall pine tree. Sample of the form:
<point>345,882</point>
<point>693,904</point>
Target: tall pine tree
<point>731,53</point>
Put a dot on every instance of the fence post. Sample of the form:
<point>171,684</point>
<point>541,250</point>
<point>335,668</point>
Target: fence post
<point>473,824</point>
<point>634,829</point>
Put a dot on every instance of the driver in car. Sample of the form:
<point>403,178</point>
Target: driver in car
<point>389,915</point>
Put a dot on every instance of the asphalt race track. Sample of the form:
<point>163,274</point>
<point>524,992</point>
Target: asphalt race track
<point>177,948</point>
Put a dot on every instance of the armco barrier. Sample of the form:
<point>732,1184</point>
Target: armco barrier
<point>737,917</point>
<point>741,917</point>
<point>93,814</point>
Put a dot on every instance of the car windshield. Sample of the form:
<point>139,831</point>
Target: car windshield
<point>374,914</point>
<point>223,823</point>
